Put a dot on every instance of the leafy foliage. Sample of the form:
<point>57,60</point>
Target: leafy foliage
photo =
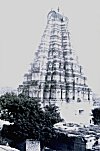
<point>96,115</point>
<point>30,120</point>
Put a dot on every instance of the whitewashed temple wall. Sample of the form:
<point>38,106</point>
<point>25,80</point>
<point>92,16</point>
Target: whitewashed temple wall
<point>74,112</point>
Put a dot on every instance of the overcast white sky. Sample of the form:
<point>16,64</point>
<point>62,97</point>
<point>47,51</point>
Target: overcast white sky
<point>22,23</point>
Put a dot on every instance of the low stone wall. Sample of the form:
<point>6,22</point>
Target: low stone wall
<point>66,143</point>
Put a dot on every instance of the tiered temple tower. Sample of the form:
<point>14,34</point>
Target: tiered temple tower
<point>55,75</point>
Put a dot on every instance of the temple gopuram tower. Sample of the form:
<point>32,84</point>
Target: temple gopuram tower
<point>56,76</point>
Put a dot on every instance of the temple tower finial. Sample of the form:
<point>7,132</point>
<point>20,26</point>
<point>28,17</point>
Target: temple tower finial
<point>58,9</point>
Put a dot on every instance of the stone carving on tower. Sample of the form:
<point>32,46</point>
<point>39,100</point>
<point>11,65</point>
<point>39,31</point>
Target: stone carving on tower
<point>56,75</point>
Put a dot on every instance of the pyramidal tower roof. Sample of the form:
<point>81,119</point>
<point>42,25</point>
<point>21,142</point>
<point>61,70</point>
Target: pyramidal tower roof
<point>55,73</point>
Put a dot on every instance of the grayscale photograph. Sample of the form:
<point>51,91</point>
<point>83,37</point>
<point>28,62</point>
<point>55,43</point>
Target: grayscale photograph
<point>49,79</point>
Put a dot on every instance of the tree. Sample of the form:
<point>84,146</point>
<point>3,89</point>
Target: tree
<point>52,116</point>
<point>51,111</point>
<point>96,115</point>
<point>30,120</point>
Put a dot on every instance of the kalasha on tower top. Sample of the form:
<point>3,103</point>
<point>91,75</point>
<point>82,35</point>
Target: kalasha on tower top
<point>55,75</point>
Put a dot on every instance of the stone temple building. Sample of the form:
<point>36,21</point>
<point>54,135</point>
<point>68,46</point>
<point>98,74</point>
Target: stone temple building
<point>56,76</point>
